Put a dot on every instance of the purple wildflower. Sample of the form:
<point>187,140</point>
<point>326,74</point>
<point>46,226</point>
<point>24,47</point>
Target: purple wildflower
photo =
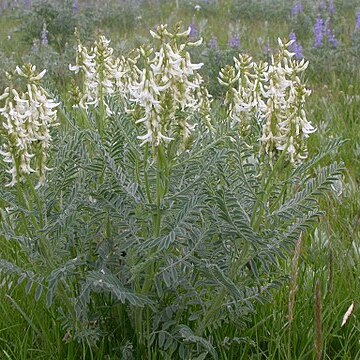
<point>75,7</point>
<point>260,42</point>
<point>43,36</point>
<point>234,42</point>
<point>27,4</point>
<point>318,32</point>
<point>321,30</point>
<point>331,8</point>
<point>193,32</point>
<point>297,9</point>
<point>322,6</point>
<point>213,43</point>
<point>292,36</point>
<point>330,36</point>
<point>357,24</point>
<point>295,47</point>
<point>267,49</point>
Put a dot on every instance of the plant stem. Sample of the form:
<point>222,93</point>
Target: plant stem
<point>102,114</point>
<point>159,190</point>
<point>256,216</point>
<point>146,177</point>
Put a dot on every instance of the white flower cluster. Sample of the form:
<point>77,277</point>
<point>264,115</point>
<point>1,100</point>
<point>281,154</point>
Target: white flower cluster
<point>168,90</point>
<point>246,96</point>
<point>102,73</point>
<point>26,119</point>
<point>161,89</point>
<point>272,96</point>
<point>97,67</point>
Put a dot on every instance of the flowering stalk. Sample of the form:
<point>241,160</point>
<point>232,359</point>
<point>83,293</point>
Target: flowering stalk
<point>297,9</point>
<point>27,118</point>
<point>266,102</point>
<point>165,94</point>
<point>270,96</point>
<point>100,73</point>
<point>323,31</point>
<point>245,103</point>
<point>168,91</point>
<point>44,36</point>
<point>357,23</point>
<point>286,126</point>
<point>234,42</point>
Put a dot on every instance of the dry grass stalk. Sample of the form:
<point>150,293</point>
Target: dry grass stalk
<point>318,322</point>
<point>331,271</point>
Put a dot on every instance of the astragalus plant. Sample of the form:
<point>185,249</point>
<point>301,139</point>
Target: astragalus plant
<point>161,221</point>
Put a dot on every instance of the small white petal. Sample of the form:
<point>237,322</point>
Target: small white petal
<point>347,314</point>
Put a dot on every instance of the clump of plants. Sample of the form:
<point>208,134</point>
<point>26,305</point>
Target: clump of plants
<point>162,220</point>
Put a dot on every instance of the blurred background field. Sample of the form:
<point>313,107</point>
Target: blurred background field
<point>327,33</point>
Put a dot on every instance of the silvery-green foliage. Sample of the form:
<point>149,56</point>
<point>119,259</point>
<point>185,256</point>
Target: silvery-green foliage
<point>216,255</point>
